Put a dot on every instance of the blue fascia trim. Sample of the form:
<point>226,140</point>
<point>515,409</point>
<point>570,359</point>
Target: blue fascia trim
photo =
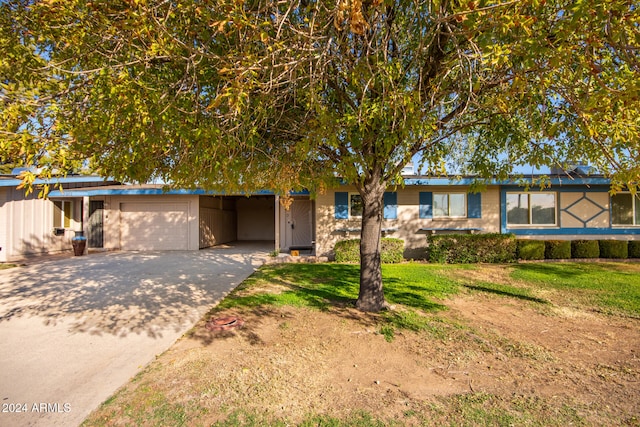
<point>554,181</point>
<point>157,192</point>
<point>443,181</point>
<point>13,182</point>
<point>573,231</point>
<point>574,188</point>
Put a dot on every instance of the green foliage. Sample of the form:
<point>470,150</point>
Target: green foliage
<point>391,250</point>
<point>203,87</point>
<point>634,249</point>
<point>471,248</point>
<point>388,332</point>
<point>617,249</point>
<point>557,249</point>
<point>585,249</point>
<point>530,249</point>
<point>347,250</point>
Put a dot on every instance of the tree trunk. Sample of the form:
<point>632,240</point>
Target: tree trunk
<point>371,296</point>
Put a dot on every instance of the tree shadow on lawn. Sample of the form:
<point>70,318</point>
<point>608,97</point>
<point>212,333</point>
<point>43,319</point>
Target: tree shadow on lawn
<point>321,287</point>
<point>555,271</point>
<point>324,285</point>
<point>507,292</point>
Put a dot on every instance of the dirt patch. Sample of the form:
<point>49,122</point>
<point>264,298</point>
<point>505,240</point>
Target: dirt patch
<point>290,362</point>
<point>588,358</point>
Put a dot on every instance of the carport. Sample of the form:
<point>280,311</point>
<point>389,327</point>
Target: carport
<point>225,219</point>
<point>150,217</point>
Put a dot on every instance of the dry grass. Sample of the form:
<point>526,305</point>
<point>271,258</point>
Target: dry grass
<point>490,359</point>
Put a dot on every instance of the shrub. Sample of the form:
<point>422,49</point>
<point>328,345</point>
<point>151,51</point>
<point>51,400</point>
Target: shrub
<point>617,249</point>
<point>390,250</point>
<point>585,249</point>
<point>530,249</point>
<point>557,249</point>
<point>634,249</point>
<point>347,250</point>
<point>472,248</point>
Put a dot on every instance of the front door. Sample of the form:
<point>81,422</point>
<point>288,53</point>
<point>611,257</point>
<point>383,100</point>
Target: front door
<point>96,236</point>
<point>300,224</point>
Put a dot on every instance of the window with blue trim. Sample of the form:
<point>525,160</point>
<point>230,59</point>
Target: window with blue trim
<point>531,209</point>
<point>449,205</point>
<point>349,205</point>
<point>625,209</point>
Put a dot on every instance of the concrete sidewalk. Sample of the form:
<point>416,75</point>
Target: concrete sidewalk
<point>73,330</point>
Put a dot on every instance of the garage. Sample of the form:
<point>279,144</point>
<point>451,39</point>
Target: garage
<point>154,226</point>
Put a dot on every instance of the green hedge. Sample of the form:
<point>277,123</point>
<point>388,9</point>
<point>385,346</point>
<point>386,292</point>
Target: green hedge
<point>472,248</point>
<point>493,248</point>
<point>585,249</point>
<point>634,249</point>
<point>617,249</point>
<point>557,249</point>
<point>530,249</point>
<point>390,250</point>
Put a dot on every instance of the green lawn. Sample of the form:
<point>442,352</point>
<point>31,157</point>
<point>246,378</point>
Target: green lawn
<point>607,287</point>
<point>320,285</point>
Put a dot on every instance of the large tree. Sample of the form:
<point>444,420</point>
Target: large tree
<point>284,94</point>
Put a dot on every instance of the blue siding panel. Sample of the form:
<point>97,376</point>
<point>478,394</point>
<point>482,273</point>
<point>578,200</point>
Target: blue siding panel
<point>426,204</point>
<point>342,205</point>
<point>474,205</point>
<point>390,205</point>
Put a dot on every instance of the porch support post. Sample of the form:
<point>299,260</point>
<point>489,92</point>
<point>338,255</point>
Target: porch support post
<point>85,221</point>
<point>277,220</point>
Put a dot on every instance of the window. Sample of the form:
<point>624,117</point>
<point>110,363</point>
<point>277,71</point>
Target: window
<point>625,209</point>
<point>355,205</point>
<point>531,208</point>
<point>455,206</point>
<point>449,205</point>
<point>62,214</point>
<point>349,205</point>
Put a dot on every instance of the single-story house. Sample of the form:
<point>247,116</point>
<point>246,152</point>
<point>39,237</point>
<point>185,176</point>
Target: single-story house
<point>147,217</point>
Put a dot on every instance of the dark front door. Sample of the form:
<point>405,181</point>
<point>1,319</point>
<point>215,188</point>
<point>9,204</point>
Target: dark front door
<point>96,210</point>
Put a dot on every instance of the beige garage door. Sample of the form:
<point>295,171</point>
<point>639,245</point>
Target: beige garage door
<point>154,226</point>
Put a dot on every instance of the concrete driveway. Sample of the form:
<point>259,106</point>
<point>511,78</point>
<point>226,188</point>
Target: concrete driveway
<point>74,330</point>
